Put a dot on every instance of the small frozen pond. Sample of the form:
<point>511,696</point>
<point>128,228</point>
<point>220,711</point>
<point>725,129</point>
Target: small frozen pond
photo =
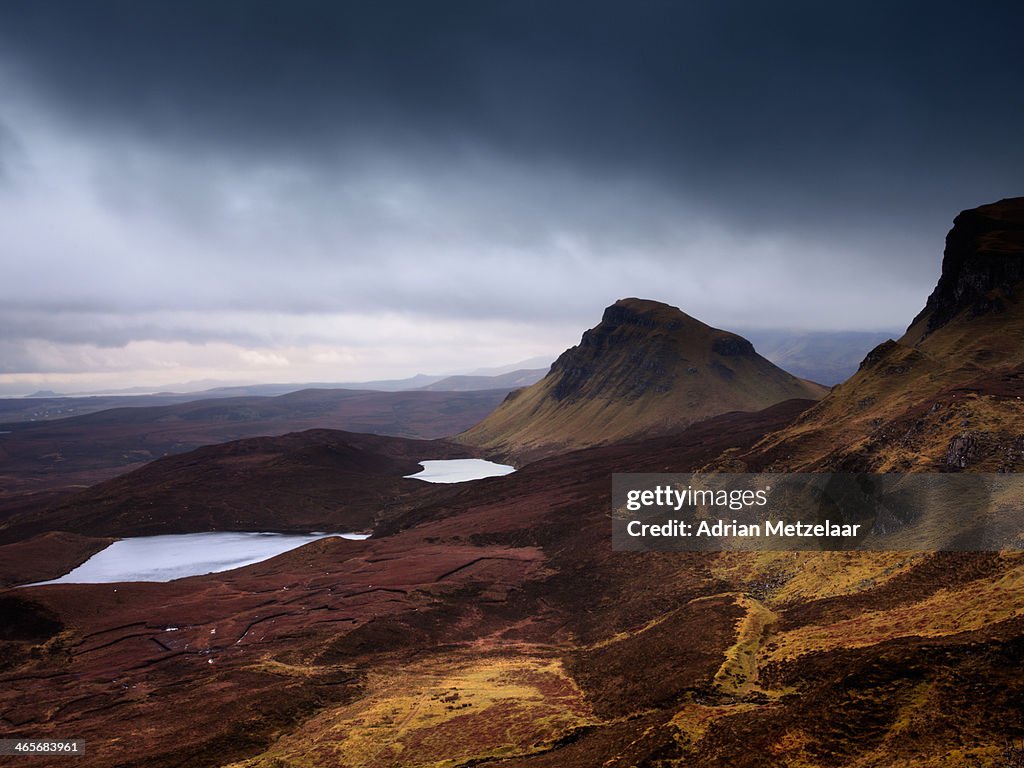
<point>460,470</point>
<point>164,558</point>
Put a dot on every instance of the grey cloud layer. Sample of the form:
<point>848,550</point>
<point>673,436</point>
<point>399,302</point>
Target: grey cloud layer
<point>732,95</point>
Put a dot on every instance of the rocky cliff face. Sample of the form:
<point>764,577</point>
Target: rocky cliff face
<point>982,266</point>
<point>646,368</point>
<point>642,335</point>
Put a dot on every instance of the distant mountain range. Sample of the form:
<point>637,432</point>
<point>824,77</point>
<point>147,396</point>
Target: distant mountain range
<point>213,388</point>
<point>827,357</point>
<point>45,406</point>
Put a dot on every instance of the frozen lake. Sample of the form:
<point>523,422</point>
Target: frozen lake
<point>460,470</point>
<point>163,558</point>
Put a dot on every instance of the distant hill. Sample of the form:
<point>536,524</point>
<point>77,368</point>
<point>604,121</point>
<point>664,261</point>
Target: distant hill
<point>542,361</point>
<point>646,369</point>
<point>319,479</point>
<point>510,380</point>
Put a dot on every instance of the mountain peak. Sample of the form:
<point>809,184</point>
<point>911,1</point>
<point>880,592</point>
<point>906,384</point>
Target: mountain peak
<point>656,315</point>
<point>983,261</point>
<point>644,312</point>
<point>637,347</point>
<point>646,368</point>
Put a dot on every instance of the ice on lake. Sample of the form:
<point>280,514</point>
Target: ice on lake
<point>164,558</point>
<point>460,470</point>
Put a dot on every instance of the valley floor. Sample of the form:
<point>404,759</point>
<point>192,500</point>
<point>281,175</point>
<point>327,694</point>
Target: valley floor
<point>492,624</point>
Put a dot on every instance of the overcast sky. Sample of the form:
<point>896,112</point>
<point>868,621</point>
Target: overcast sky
<point>296,191</point>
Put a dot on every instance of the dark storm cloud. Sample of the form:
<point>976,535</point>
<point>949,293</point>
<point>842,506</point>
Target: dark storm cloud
<point>826,103</point>
<point>10,153</point>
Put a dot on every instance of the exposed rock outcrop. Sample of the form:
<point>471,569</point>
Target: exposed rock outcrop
<point>982,265</point>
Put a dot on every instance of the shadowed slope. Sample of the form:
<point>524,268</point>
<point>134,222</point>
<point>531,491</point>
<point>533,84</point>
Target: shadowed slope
<point>318,480</point>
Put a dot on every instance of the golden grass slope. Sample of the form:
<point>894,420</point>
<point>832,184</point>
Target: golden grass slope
<point>440,713</point>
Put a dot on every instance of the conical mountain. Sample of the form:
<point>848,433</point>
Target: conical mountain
<point>946,395</point>
<point>647,368</point>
